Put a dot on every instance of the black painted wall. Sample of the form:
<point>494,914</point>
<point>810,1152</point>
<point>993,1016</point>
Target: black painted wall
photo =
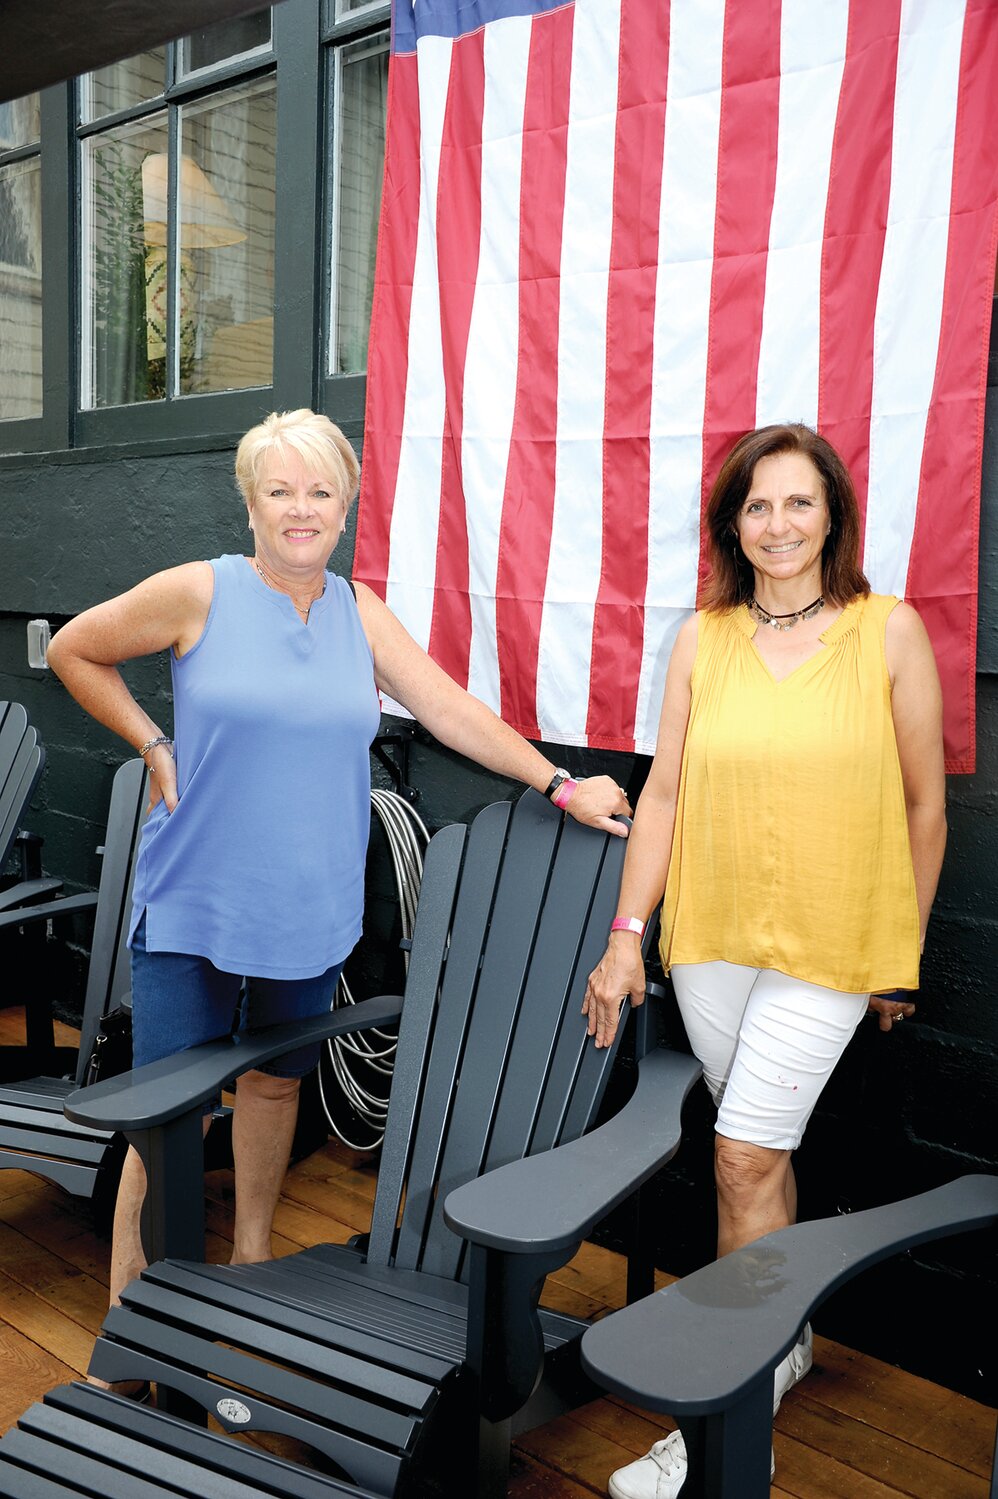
<point>904,1112</point>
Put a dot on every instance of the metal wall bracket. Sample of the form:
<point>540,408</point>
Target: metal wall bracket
<point>396,763</point>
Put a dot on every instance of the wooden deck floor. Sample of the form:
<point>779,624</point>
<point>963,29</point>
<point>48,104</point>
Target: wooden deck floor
<point>856,1429</point>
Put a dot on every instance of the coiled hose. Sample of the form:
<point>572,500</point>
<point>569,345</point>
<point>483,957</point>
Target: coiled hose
<point>354,1064</point>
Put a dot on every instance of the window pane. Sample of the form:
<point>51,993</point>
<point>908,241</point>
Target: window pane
<point>124,289</point>
<point>227,241</point>
<point>215,44</point>
<point>20,290</point>
<point>20,122</point>
<point>351,7</point>
<point>123,84</point>
<point>362,78</point>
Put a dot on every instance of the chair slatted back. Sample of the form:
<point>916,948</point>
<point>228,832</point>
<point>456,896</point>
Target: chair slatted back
<point>109,980</point>
<point>22,759</point>
<point>493,1049</point>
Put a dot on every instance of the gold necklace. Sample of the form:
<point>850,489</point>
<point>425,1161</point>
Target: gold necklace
<point>786,621</point>
<point>302,609</point>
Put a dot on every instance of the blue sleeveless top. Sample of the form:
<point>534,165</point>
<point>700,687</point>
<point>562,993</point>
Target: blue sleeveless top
<point>260,867</point>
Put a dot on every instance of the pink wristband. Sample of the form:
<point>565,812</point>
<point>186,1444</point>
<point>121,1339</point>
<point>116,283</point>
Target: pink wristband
<point>565,792</point>
<point>627,924</point>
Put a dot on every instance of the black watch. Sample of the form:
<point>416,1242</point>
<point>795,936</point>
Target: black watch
<point>558,779</point>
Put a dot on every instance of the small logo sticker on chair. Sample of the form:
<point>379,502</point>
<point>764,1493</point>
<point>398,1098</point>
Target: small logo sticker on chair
<point>234,1411</point>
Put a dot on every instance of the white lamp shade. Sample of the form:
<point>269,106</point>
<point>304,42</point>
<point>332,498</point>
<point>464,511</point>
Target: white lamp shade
<point>205,220</point>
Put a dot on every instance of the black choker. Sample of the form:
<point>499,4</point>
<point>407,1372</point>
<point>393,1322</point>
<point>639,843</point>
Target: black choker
<point>786,621</point>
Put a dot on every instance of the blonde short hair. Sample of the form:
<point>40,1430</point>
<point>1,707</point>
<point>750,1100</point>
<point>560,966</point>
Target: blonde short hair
<point>318,442</point>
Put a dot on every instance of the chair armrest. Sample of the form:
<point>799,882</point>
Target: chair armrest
<point>701,1344</point>
<point>26,892</point>
<point>154,1095</point>
<point>66,905</point>
<point>551,1201</point>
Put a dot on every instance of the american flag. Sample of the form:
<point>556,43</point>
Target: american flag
<point>617,234</point>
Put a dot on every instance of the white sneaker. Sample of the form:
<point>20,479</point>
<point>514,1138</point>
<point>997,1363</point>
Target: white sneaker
<point>793,1368</point>
<point>661,1473</point>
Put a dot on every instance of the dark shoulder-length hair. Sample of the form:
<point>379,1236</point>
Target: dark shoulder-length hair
<point>731,581</point>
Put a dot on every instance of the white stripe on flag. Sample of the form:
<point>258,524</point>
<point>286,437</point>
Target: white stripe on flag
<point>415,516</point>
<point>565,644</point>
<point>812,59</point>
<point>682,324</point>
<point>909,303</point>
<point>491,363</point>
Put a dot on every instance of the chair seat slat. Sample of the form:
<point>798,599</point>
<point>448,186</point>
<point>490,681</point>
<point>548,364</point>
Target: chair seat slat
<point>52,1120</point>
<point>335,1322</point>
<point>192,1332</point>
<point>54,1144</point>
<point>37,1092</point>
<point>91,1474</point>
<point>75,1177</point>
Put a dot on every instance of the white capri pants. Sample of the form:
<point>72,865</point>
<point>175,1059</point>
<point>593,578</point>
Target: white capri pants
<point>767,1043</point>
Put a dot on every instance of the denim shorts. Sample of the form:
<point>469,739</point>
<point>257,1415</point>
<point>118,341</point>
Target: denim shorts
<point>180,1000</point>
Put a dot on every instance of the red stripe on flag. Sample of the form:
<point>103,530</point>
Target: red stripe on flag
<point>942,573</point>
<point>855,228</point>
<point>746,183</point>
<point>388,345</point>
<point>618,621</point>
<point>459,211</point>
<point>528,498</point>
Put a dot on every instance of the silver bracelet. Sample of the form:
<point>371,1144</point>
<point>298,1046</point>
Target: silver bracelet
<point>152,743</point>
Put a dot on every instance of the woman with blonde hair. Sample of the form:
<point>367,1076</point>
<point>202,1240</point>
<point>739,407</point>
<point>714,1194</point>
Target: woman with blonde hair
<point>251,864</point>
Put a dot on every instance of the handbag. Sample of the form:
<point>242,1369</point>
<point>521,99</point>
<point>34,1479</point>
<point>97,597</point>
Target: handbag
<point>112,1050</point>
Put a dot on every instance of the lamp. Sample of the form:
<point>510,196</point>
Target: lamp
<point>205,220</point>
<point>206,223</point>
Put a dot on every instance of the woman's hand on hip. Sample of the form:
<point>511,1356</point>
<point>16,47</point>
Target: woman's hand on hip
<point>597,801</point>
<point>162,778</point>
<point>890,1008</point>
<point>619,973</point>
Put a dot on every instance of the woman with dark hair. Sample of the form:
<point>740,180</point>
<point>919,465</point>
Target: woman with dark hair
<point>732,579</point>
<point>794,819</point>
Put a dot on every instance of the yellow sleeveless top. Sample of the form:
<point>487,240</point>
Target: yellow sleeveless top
<point>791,845</point>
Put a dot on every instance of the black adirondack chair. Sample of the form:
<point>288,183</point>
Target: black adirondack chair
<point>409,1358</point>
<point>34,1132</point>
<point>22,760</point>
<point>705,1349</point>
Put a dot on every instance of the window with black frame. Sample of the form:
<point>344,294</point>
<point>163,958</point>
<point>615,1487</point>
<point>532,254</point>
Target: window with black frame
<point>358,73</point>
<point>187,266</point>
<point>20,259</point>
<point>178,176</point>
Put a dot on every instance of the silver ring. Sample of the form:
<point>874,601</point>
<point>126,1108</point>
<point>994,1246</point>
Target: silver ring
<point>897,1017</point>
